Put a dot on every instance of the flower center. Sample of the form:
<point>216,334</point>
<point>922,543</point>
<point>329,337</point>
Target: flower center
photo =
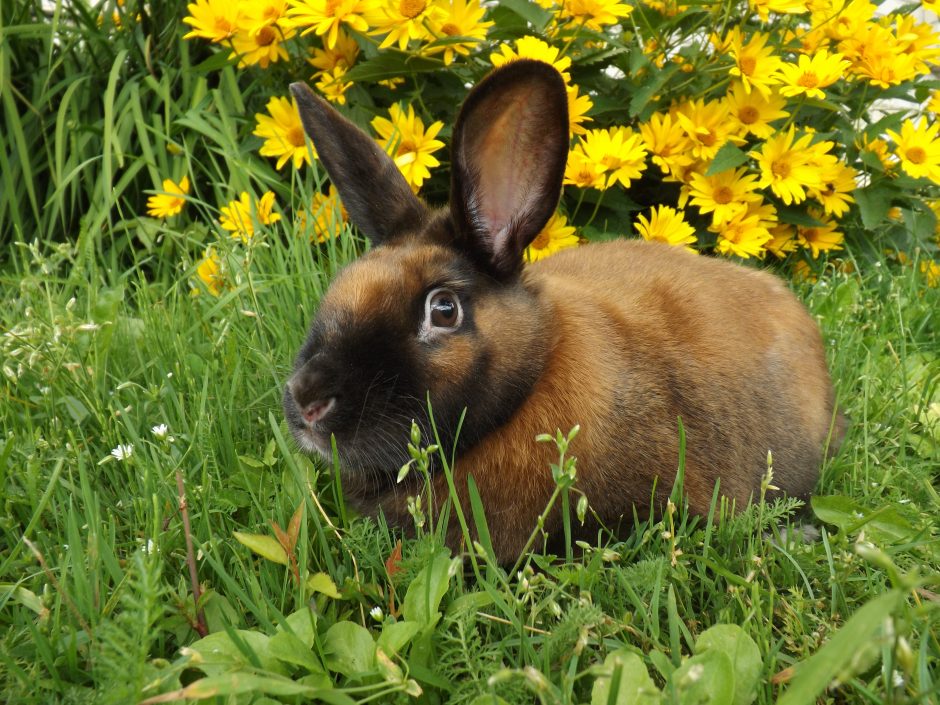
<point>748,114</point>
<point>330,9</point>
<point>747,64</point>
<point>451,30</point>
<point>916,155</point>
<point>411,8</point>
<point>808,80</point>
<point>780,168</point>
<point>295,135</point>
<point>723,195</point>
<point>223,26</point>
<point>708,139</point>
<point>541,241</point>
<point>265,36</point>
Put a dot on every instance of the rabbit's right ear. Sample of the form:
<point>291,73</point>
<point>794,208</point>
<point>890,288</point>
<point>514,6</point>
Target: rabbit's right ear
<point>510,146</point>
<point>379,201</point>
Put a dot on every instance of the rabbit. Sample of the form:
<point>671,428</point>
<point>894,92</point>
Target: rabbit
<point>624,338</point>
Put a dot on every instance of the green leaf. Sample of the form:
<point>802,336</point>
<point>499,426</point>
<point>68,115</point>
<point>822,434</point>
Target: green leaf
<point>705,679</point>
<point>884,523</point>
<point>529,11</point>
<point>839,657</point>
<point>396,635</point>
<point>728,157</point>
<point>427,590</point>
<point>286,647</point>
<point>219,652</point>
<point>650,89</point>
<point>349,649</point>
<point>323,583</point>
<point>873,204</point>
<point>745,657</point>
<point>391,64</point>
<point>264,546</point>
<point>624,679</point>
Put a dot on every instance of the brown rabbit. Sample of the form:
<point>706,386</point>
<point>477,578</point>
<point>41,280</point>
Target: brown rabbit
<point>623,338</point>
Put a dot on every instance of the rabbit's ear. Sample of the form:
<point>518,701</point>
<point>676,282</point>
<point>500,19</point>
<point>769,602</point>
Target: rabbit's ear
<point>510,146</point>
<point>375,193</point>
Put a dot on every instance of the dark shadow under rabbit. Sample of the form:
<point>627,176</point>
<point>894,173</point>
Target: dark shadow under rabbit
<point>622,338</point>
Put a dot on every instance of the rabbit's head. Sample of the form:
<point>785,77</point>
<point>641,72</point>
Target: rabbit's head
<point>437,311</point>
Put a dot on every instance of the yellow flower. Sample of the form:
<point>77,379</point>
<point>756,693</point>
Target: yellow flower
<point>835,193</point>
<point>406,141</point>
<point>918,149</point>
<point>583,172</point>
<point>404,20</point>
<point>209,271</point>
<point>781,7</point>
<point>810,75</point>
<point>787,167</point>
<point>667,225</point>
<point>239,219</point>
<point>744,235</point>
<point>329,215</point>
<point>343,53</point>
<point>707,125</point>
<point>171,201</point>
<point>556,235</point>
<point>725,194</point>
<point>325,17</point>
<point>819,238</point>
<point>667,142</point>
<point>462,18</point>
<point>782,240</point>
<point>260,44</point>
<point>578,105</point>
<point>840,19</point>
<point>332,85</point>
<point>931,272</point>
<point>594,14</point>
<point>619,150</point>
<point>533,48</point>
<point>755,111</point>
<point>215,20</point>
<point>283,133</point>
<point>879,148</point>
<point>755,63</point>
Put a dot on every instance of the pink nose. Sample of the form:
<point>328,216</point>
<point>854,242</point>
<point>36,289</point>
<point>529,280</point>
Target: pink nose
<point>316,410</point>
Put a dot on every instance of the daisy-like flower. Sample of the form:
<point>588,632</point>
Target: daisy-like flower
<point>342,54</point>
<point>160,431</point>
<point>725,194</point>
<point>787,166</point>
<point>931,272</point>
<point>667,142</point>
<point>578,106</point>
<point>707,125</point>
<point>332,85</point>
<point>124,451</point>
<point>215,20</point>
<point>260,44</point>
<point>326,17</point>
<point>171,201</point>
<point>754,63</point>
<point>782,240</point>
<point>239,218</point>
<point>619,150</point>
<point>404,20</point>
<point>744,235</point>
<point>556,235</point>
<point>594,14</point>
<point>533,48</point>
<point>405,139</point>
<point>819,238</point>
<point>842,19</point>
<point>809,75</point>
<point>780,7</point>
<point>329,214</point>
<point>877,147</point>
<point>283,133</point>
<point>461,18</point>
<point>583,172</point>
<point>835,193</point>
<point>667,225</point>
<point>209,271</point>
<point>917,148</point>
<point>755,110</point>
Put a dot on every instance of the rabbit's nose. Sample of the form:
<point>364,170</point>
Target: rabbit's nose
<point>317,409</point>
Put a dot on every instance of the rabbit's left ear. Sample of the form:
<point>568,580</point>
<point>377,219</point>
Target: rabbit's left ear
<point>510,146</point>
<point>379,201</point>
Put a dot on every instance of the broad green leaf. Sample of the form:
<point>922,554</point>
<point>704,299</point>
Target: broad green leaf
<point>218,652</point>
<point>839,656</point>
<point>286,647</point>
<point>745,657</point>
<point>488,700</point>
<point>529,11</point>
<point>624,679</point>
<point>323,583</point>
<point>873,204</point>
<point>264,546</point>
<point>427,590</point>
<point>884,523</point>
<point>728,157</point>
<point>705,679</point>
<point>303,624</point>
<point>391,64</point>
<point>349,649</point>
<point>396,635</point>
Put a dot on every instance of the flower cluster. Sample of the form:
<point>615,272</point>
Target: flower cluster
<point>769,136</point>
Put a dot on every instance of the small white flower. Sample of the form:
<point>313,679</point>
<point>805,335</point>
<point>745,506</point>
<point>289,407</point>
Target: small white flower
<point>160,431</point>
<point>88,327</point>
<point>377,614</point>
<point>123,451</point>
<point>150,547</point>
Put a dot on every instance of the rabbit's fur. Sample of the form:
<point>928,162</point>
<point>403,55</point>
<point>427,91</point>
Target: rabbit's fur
<point>622,338</point>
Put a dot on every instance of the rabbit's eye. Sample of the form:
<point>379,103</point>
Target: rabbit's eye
<point>442,309</point>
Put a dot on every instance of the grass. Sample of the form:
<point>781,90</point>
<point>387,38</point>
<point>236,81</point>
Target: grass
<point>95,598</point>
